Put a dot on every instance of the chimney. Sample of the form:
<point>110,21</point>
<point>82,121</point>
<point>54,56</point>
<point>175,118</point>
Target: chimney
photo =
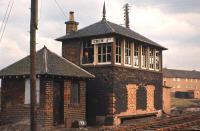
<point>71,25</point>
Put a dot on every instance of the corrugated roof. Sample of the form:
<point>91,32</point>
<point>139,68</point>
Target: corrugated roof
<point>104,27</point>
<point>173,73</point>
<point>48,63</point>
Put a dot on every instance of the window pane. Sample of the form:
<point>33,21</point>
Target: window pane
<point>88,52</point>
<point>104,49</point>
<point>108,58</point>
<point>109,48</point>
<point>104,58</point>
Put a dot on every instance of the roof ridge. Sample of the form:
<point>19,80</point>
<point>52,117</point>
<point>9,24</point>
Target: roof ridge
<point>182,70</point>
<point>45,60</point>
<point>110,26</point>
<point>72,63</point>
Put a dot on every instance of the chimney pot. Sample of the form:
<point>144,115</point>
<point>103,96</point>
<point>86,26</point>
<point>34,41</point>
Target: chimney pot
<point>71,16</point>
<point>71,25</point>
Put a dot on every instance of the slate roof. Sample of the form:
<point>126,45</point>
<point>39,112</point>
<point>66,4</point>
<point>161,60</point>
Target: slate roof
<point>104,27</point>
<point>48,63</point>
<point>172,73</point>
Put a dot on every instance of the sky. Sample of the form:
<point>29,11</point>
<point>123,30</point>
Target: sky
<point>174,24</point>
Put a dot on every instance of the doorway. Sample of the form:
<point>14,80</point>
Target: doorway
<point>58,107</point>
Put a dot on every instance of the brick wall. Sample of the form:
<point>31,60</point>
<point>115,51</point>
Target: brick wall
<point>107,94</point>
<point>13,108</point>
<point>12,99</point>
<point>182,84</point>
<point>125,76</point>
<point>71,51</point>
<point>74,112</point>
<point>46,103</point>
<point>166,99</point>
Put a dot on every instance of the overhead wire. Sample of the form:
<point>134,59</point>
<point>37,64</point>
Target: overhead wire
<point>6,20</point>
<point>60,8</point>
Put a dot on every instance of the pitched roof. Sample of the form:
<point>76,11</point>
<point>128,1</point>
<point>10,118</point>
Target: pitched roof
<point>48,63</point>
<point>105,27</point>
<point>172,73</point>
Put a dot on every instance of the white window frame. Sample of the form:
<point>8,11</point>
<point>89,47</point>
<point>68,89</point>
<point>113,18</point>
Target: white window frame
<point>107,62</point>
<point>27,96</point>
<point>129,53</point>
<point>151,59</point>
<point>119,53</point>
<point>138,56</point>
<point>157,60</point>
<point>144,57</point>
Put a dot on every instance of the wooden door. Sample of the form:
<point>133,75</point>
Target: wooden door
<point>58,110</point>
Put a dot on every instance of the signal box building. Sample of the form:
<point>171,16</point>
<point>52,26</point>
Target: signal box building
<point>127,68</point>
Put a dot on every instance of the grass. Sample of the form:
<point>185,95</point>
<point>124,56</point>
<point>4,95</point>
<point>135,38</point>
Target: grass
<point>185,103</point>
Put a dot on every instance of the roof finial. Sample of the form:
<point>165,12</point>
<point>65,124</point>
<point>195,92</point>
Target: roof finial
<point>104,11</point>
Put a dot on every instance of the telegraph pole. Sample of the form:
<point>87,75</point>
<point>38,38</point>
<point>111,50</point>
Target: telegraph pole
<point>33,28</point>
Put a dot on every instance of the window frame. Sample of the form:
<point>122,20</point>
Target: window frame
<point>82,53</point>
<point>138,55</point>
<point>127,52</point>
<point>104,53</point>
<point>118,52</point>
<point>159,60</point>
<point>151,58</point>
<point>144,57</point>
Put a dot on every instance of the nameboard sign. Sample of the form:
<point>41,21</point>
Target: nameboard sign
<point>103,40</point>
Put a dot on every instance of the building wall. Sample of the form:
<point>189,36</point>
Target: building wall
<point>74,112</point>
<point>71,51</point>
<point>167,100</point>
<point>107,94</point>
<point>14,109</point>
<point>125,76</point>
<point>183,84</point>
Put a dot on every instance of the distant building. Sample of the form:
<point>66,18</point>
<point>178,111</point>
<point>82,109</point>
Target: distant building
<point>183,81</point>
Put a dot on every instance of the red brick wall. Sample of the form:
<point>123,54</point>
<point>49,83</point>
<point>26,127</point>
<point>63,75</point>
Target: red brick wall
<point>166,100</point>
<point>74,112</point>
<point>14,110</point>
<point>12,99</point>
<point>71,51</point>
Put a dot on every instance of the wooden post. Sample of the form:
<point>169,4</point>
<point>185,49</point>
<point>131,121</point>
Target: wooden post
<point>33,28</point>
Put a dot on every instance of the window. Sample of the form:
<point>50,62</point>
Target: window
<point>151,58</point>
<point>157,59</point>
<point>88,52</point>
<point>75,92</point>
<point>118,51</point>
<point>144,57</point>
<point>104,53</point>
<point>127,53</point>
<point>136,55</point>
<point>27,98</point>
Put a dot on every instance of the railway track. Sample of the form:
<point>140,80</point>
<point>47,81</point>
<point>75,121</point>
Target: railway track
<point>165,124</point>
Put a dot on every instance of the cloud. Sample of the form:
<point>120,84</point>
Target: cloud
<point>172,23</point>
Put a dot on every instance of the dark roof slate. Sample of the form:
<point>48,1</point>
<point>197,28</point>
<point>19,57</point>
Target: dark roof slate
<point>105,27</point>
<point>48,63</point>
<point>172,73</point>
